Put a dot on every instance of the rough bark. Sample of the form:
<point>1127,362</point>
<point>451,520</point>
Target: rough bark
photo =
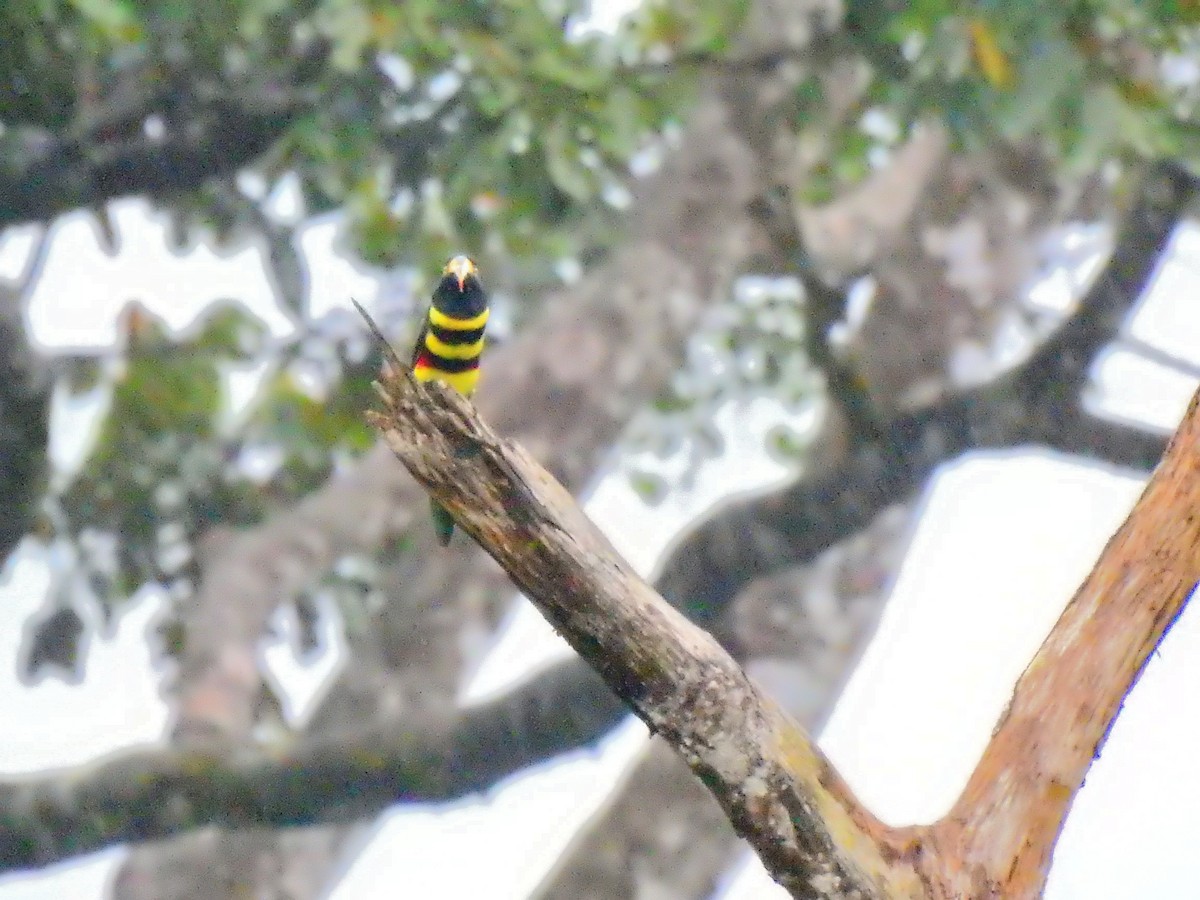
<point>661,835</point>
<point>780,794</point>
<point>998,838</point>
<point>771,780</point>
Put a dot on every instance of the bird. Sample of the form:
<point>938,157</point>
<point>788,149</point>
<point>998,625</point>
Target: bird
<point>449,346</point>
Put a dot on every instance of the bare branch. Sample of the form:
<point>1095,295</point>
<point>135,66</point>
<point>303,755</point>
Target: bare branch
<point>1039,402</point>
<point>60,174</point>
<point>337,777</point>
<point>660,834</point>
<point>1003,828</point>
<point>1161,357</point>
<point>774,784</point>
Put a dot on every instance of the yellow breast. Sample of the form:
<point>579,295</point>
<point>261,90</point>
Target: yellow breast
<point>463,382</point>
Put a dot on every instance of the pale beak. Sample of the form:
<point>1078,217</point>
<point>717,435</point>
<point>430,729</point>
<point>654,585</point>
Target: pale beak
<point>460,267</point>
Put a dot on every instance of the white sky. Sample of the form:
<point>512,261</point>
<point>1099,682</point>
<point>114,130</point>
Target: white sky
<point>1002,542</point>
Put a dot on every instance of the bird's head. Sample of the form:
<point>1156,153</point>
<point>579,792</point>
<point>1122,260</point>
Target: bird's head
<point>460,293</point>
<point>461,268</point>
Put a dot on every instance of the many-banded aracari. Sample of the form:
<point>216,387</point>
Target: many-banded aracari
<point>450,343</point>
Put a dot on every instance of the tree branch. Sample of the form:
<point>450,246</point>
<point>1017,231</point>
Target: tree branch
<point>1039,402</point>
<point>337,777</point>
<point>774,784</point>
<point>429,755</point>
<point>60,174</point>
<point>778,791</point>
<point>660,834</point>
<point>1001,832</point>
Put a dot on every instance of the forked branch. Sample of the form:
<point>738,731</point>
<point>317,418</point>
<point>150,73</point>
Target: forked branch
<point>775,785</point>
<point>779,792</point>
<point>772,782</point>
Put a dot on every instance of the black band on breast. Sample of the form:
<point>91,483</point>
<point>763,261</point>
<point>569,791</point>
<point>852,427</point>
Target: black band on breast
<point>449,366</point>
<point>453,336</point>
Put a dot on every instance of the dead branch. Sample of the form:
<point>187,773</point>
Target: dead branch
<point>777,788</point>
<point>774,785</point>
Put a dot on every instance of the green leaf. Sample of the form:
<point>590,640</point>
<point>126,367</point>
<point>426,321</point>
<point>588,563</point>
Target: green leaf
<point>556,66</point>
<point>232,332</point>
<point>1051,80</point>
<point>113,18</point>
<point>651,488</point>
<point>563,163</point>
<point>625,123</point>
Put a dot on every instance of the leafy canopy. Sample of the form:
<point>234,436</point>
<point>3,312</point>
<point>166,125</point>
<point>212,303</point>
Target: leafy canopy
<point>504,127</point>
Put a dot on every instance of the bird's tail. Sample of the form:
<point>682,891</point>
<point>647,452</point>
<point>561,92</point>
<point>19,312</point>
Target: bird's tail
<point>443,525</point>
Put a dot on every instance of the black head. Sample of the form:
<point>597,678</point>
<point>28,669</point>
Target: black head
<point>460,293</point>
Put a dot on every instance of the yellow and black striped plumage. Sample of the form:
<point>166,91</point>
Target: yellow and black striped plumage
<point>450,344</point>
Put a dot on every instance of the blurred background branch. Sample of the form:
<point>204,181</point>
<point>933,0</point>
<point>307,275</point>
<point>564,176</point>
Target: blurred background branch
<point>842,210</point>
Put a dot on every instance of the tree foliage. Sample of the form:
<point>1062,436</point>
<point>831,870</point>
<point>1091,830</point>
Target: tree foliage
<point>506,128</point>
